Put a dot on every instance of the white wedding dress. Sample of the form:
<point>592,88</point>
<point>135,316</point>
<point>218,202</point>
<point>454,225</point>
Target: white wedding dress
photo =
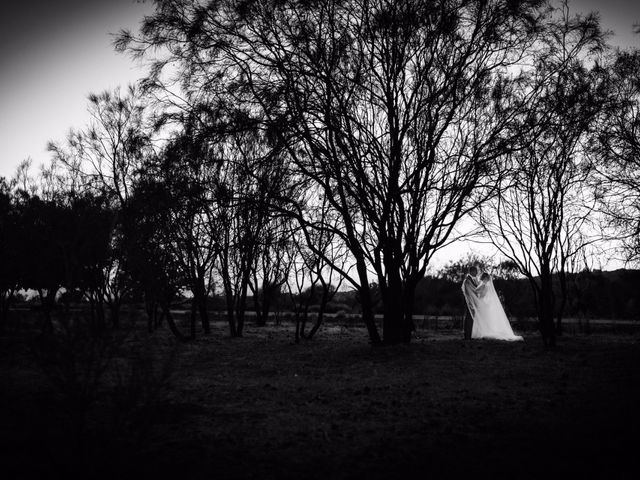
<point>489,319</point>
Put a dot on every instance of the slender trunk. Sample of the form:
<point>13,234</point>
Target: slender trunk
<point>323,306</point>
<point>297,332</point>
<point>151,310</point>
<point>154,317</point>
<point>230,303</point>
<point>409,326</point>
<point>231,319</point>
<point>547,328</point>
<point>200,300</point>
<point>165,306</point>
<point>241,307</point>
<point>46,303</point>
<point>5,300</point>
<point>563,300</point>
<point>303,325</point>
<point>192,319</point>
<point>241,299</point>
<point>266,307</point>
<point>260,320</point>
<point>366,302</point>
<point>297,307</point>
<point>204,314</point>
<point>228,292</point>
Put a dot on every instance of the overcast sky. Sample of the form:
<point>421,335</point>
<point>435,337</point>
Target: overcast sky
<point>54,53</point>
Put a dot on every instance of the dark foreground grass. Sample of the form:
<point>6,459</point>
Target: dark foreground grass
<point>264,407</point>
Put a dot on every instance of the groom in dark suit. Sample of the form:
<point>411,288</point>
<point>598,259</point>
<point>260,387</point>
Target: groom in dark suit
<point>470,282</point>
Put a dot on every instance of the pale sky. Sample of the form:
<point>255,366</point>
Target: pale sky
<point>54,53</point>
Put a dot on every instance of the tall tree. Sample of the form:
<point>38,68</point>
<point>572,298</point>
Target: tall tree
<point>396,111</point>
<point>8,250</point>
<point>149,259</point>
<point>104,160</point>
<point>272,266</point>
<point>616,154</point>
<point>187,170</point>
<point>540,217</point>
<point>107,153</point>
<point>246,181</point>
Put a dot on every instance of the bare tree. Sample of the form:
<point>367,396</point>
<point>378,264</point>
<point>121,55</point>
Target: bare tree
<point>109,151</point>
<point>245,180</point>
<point>395,110</point>
<point>326,259</point>
<point>186,168</point>
<point>616,154</point>
<point>105,158</point>
<point>315,277</point>
<point>272,266</point>
<point>540,217</point>
<point>8,242</point>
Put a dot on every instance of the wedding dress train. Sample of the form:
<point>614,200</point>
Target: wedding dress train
<point>489,319</point>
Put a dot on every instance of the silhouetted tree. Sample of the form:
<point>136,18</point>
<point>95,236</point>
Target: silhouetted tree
<point>395,111</point>
<point>540,217</point>
<point>616,154</point>
<point>41,232</point>
<point>8,250</point>
<point>326,259</point>
<point>272,268</point>
<point>187,170</point>
<point>149,259</point>
<point>107,154</point>
<point>105,159</point>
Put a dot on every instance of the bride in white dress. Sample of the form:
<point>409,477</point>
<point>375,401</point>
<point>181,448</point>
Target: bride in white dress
<point>489,319</point>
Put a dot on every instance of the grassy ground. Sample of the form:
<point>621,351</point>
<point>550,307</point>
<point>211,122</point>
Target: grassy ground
<point>264,407</point>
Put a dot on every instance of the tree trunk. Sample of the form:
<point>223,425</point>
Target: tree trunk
<point>200,300</point>
<point>296,335</point>
<point>393,320</point>
<point>260,322</point>
<point>192,319</point>
<point>409,326</point>
<point>46,303</point>
<point>323,306</point>
<point>394,305</point>
<point>151,308</point>
<point>547,327</point>
<point>266,307</point>
<point>563,301</point>
<point>241,305</point>
<point>5,300</point>
<point>366,302</point>
<point>165,306</point>
<point>231,318</point>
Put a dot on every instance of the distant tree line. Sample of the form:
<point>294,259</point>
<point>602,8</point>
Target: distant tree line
<point>294,149</point>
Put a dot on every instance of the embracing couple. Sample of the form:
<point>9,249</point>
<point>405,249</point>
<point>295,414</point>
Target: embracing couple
<point>486,317</point>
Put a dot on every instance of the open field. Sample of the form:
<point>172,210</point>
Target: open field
<point>264,407</point>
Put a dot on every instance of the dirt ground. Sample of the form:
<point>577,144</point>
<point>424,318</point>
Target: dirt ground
<point>335,407</point>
